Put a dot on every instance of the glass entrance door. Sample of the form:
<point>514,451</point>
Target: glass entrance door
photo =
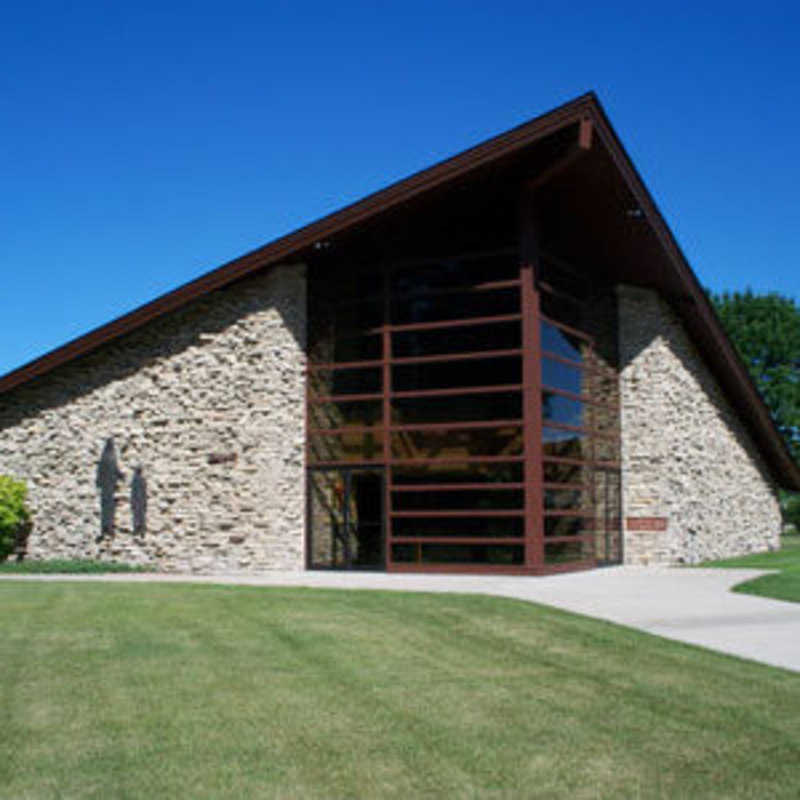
<point>346,519</point>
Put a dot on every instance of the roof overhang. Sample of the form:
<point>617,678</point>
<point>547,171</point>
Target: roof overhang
<point>651,256</point>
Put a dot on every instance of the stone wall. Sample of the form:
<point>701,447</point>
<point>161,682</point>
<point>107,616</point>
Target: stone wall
<point>688,464</point>
<point>209,402</point>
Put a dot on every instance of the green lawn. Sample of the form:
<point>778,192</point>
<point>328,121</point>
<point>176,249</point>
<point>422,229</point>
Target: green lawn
<point>784,585</point>
<point>75,566</point>
<point>162,691</point>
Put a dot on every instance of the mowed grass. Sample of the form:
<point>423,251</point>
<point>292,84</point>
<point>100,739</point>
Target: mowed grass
<point>75,566</point>
<point>175,691</point>
<point>784,585</point>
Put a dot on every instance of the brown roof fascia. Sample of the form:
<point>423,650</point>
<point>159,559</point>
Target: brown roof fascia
<point>586,106</point>
<point>785,469</point>
<point>285,246</point>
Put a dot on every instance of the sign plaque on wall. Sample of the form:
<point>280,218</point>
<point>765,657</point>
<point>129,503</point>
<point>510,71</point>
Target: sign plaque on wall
<point>651,524</point>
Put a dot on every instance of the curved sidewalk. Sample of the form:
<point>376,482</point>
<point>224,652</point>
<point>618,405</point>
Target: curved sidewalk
<point>689,605</point>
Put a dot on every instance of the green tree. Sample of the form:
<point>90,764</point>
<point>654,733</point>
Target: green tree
<point>765,329</point>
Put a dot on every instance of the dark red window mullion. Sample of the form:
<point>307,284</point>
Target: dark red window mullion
<point>589,432</point>
<point>566,486</point>
<point>568,329</point>
<point>593,451</point>
<point>578,513</point>
<point>343,398</point>
<point>581,398</point>
<point>467,288</point>
<point>455,487</point>
<point>588,537</point>
<point>459,390</point>
<point>550,289</point>
<point>457,426</point>
<point>420,540</point>
<point>470,513</point>
<point>411,462</point>
<point>449,323</point>
<point>330,366</point>
<point>532,416</point>
<point>432,359</point>
<point>580,365</point>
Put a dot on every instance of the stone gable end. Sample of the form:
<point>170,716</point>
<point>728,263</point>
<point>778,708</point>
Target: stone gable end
<point>209,401</point>
<point>690,468</point>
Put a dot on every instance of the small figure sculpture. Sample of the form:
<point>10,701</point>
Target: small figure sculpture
<point>108,476</point>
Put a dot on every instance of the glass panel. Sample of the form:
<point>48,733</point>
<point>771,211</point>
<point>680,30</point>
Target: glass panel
<point>562,376</point>
<point>567,499</point>
<point>459,408</point>
<point>568,526</point>
<point>566,444</point>
<point>350,413</point>
<point>346,381</point>
<point>452,374</point>
<point>571,280</point>
<point>446,273</point>
<point>561,343</point>
<point>435,308</point>
<point>458,473</point>
<point>404,553</point>
<point>563,309</point>
<point>449,444</point>
<point>329,543</point>
<point>480,527</point>
<point>346,509</point>
<point>565,410</point>
<point>345,447</point>
<point>608,515</point>
<point>352,281</point>
<point>446,499</point>
<point>356,348</point>
<point>468,339</point>
<point>325,349</point>
<point>606,449</point>
<point>566,473</point>
<point>472,554</point>
<point>564,552</point>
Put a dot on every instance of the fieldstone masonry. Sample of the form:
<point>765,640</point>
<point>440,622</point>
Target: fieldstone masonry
<point>205,408</point>
<point>687,458</point>
<point>209,401</point>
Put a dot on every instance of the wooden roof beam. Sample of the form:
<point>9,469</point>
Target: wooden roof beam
<point>585,134</point>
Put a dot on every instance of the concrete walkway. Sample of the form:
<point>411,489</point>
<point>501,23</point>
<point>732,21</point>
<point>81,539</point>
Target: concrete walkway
<point>690,605</point>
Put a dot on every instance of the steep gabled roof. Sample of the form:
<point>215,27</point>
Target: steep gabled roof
<point>668,271</point>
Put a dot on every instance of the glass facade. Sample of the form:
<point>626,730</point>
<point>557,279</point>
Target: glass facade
<point>461,419</point>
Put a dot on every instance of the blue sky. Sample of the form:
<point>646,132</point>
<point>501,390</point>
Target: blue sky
<point>143,144</point>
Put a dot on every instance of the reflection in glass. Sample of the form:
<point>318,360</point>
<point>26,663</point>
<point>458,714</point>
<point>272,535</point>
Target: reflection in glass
<point>467,339</point>
<point>561,343</point>
<point>565,444</point>
<point>567,526</point>
<point>459,553</point>
<point>346,414</point>
<point>347,446</point>
<point>565,410</point>
<point>450,499</point>
<point>448,444</point>
<point>563,376</point>
<point>565,552</point>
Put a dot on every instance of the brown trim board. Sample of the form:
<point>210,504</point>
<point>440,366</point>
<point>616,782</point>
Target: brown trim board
<point>702,322</point>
